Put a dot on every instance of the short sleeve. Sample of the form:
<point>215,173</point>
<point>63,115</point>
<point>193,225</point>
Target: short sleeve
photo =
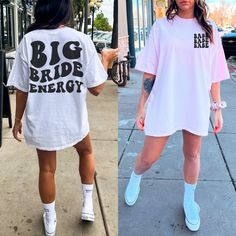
<point>147,60</point>
<point>19,75</point>
<point>219,68</point>
<point>95,73</point>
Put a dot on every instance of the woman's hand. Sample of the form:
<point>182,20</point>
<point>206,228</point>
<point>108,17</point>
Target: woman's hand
<point>109,55</point>
<point>17,129</point>
<point>218,121</point>
<point>140,119</point>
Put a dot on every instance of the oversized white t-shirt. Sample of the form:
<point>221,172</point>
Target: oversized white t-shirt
<point>56,68</point>
<point>185,64</point>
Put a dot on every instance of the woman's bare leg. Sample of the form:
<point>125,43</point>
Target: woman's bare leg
<point>151,152</point>
<point>86,161</point>
<point>191,149</point>
<point>47,168</point>
<point>87,170</point>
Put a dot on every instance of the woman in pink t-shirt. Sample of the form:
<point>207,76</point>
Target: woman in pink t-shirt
<point>183,63</point>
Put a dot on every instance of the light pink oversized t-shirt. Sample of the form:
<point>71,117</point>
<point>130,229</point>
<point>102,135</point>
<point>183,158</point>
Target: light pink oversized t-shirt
<point>185,64</point>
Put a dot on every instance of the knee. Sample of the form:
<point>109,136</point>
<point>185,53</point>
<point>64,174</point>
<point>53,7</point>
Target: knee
<point>146,162</point>
<point>85,151</point>
<point>48,170</point>
<point>191,155</point>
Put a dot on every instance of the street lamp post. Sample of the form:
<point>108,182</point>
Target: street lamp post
<point>93,6</point>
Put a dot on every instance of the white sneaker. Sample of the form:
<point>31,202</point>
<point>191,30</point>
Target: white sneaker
<point>192,217</point>
<point>87,213</point>
<point>49,225</point>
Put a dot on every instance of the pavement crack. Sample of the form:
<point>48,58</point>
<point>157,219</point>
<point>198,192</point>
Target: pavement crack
<point>101,206</point>
<point>126,144</point>
<point>223,156</point>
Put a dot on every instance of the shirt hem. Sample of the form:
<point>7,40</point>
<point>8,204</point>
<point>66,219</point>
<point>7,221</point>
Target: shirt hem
<point>18,87</point>
<point>97,83</point>
<point>144,70</point>
<point>58,147</point>
<point>174,131</point>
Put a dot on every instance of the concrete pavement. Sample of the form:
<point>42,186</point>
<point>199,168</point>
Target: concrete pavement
<point>20,206</point>
<point>158,210</point>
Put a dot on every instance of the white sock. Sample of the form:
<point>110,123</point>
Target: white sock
<point>189,190</point>
<point>135,177</point>
<point>88,197</point>
<point>49,209</point>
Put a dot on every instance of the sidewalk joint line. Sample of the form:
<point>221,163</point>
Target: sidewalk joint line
<point>101,206</point>
<point>170,179</point>
<point>126,144</point>
<point>223,156</point>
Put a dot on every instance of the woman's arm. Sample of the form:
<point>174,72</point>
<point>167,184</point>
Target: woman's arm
<point>147,84</point>
<point>108,56</point>
<point>21,99</point>
<point>215,94</point>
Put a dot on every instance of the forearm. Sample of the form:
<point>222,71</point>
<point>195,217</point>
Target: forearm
<point>215,92</point>
<point>21,99</point>
<point>105,63</point>
<point>147,84</point>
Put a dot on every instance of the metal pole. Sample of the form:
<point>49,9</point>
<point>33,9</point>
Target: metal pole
<point>16,24</point>
<point>93,11</point>
<point>129,11</point>
<point>86,16</point>
<point>152,11</point>
<point>144,25</point>
<point>114,41</point>
<point>2,27</point>
<point>138,20</point>
<point>1,91</point>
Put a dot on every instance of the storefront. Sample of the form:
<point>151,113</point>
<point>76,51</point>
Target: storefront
<point>145,12</point>
<point>13,22</point>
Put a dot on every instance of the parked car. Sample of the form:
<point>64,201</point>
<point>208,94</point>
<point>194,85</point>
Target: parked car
<point>229,43</point>
<point>99,45</point>
<point>221,31</point>
<point>228,29</point>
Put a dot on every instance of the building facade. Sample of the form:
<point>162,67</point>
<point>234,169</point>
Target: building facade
<point>145,12</point>
<point>15,17</point>
<point>142,13</point>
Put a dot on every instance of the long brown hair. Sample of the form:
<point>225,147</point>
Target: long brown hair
<point>200,12</point>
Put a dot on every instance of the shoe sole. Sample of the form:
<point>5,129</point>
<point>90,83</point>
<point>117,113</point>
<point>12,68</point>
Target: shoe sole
<point>87,217</point>
<point>132,203</point>
<point>193,227</point>
<point>45,231</point>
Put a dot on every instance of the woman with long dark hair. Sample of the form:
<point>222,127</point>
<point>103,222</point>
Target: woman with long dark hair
<point>54,68</point>
<point>183,63</point>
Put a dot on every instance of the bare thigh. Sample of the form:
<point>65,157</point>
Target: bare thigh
<point>153,147</point>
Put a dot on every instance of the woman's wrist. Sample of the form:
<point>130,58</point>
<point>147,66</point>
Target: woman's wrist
<point>17,119</point>
<point>218,105</point>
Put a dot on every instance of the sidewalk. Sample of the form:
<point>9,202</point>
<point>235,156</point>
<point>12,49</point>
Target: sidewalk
<point>158,211</point>
<point>20,206</point>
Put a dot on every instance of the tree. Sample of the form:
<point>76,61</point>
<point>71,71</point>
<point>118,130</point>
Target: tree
<point>101,23</point>
<point>79,8</point>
